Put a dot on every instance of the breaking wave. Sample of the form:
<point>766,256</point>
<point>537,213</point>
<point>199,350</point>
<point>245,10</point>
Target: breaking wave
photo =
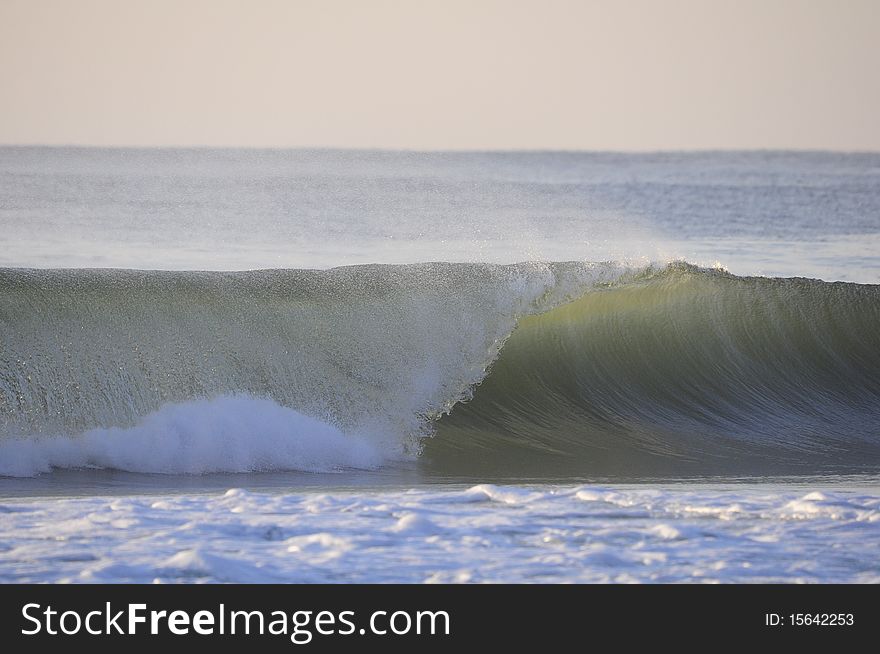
<point>532,369</point>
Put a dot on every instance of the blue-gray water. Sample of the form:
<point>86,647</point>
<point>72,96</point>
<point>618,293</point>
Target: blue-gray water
<point>814,214</point>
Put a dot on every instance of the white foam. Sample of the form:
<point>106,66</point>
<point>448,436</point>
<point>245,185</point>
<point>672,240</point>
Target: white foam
<point>506,495</point>
<point>397,535</point>
<point>233,433</point>
<point>415,523</point>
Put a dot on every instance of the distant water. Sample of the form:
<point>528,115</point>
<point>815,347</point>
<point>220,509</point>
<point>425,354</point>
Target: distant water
<point>814,214</point>
<point>560,325</point>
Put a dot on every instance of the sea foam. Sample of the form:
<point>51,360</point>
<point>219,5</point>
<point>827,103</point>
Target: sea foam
<point>233,433</point>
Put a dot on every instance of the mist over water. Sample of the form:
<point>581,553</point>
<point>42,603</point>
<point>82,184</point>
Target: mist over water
<point>771,213</point>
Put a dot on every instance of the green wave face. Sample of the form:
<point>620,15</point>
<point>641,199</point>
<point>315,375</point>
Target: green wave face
<point>532,369</point>
<point>685,372</point>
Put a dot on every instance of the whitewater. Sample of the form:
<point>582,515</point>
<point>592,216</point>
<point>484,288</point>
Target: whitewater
<point>366,366</point>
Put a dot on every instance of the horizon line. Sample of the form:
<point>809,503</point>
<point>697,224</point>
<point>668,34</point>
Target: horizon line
<point>394,150</point>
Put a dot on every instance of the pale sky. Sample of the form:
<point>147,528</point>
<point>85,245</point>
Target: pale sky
<point>442,74</point>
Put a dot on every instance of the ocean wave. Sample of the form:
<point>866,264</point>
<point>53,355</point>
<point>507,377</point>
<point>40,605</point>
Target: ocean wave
<point>582,368</point>
<point>690,371</point>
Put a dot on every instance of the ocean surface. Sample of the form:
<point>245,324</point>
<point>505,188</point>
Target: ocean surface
<point>337,366</point>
